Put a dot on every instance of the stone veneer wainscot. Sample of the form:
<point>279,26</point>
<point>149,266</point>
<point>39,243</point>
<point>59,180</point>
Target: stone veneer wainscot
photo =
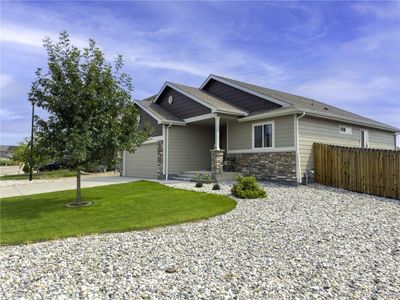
<point>277,166</point>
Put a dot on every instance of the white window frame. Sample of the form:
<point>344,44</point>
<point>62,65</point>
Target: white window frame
<point>367,139</point>
<point>349,132</point>
<point>272,123</point>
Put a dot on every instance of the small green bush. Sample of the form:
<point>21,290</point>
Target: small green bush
<point>247,188</point>
<point>216,187</point>
<point>202,176</point>
<point>25,169</point>
<point>199,184</point>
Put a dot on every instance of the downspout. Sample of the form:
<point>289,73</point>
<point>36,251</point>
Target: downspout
<point>298,162</point>
<point>395,140</point>
<point>167,150</point>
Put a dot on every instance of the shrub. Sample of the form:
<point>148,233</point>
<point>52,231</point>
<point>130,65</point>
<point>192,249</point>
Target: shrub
<point>202,177</point>
<point>199,185</point>
<point>247,188</point>
<point>216,187</point>
<point>25,168</point>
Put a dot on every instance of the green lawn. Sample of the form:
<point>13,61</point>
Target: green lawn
<point>42,175</point>
<point>120,207</point>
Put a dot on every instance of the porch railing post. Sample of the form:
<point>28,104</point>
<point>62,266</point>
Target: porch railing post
<point>216,144</point>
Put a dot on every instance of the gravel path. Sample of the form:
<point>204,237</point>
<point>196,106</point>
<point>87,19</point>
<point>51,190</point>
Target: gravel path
<point>304,243</point>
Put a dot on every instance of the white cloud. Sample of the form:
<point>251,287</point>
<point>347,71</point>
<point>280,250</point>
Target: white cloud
<point>346,88</point>
<point>5,81</point>
<point>8,115</point>
<point>374,42</point>
<point>32,37</point>
<point>190,68</point>
<point>383,10</point>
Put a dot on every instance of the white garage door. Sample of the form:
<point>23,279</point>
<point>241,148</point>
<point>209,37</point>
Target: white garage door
<point>143,162</point>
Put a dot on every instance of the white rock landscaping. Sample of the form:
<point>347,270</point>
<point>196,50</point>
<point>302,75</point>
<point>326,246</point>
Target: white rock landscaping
<point>302,242</point>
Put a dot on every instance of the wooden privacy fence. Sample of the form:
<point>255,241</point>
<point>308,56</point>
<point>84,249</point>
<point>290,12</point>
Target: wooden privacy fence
<point>370,171</point>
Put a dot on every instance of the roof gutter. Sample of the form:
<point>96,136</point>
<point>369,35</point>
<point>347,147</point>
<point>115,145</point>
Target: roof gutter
<point>230,112</point>
<point>268,115</point>
<point>169,122</point>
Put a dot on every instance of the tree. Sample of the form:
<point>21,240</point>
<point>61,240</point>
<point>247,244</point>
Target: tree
<point>88,100</point>
<point>22,155</point>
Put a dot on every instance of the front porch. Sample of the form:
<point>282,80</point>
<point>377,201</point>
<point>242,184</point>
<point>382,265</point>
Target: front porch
<point>218,144</point>
<point>202,149</point>
<point>217,127</point>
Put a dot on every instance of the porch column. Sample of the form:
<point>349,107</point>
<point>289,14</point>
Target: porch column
<point>216,143</point>
<point>217,162</point>
<point>217,155</point>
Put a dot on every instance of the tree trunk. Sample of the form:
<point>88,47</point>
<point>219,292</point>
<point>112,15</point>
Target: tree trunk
<point>78,186</point>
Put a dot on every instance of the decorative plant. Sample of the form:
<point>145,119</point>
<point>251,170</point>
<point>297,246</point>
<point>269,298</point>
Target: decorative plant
<point>247,188</point>
<point>199,184</point>
<point>216,187</point>
<point>202,177</point>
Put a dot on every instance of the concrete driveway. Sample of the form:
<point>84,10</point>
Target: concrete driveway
<point>45,186</point>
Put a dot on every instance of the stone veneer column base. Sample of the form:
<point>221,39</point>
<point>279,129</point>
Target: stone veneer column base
<point>277,166</point>
<point>217,162</point>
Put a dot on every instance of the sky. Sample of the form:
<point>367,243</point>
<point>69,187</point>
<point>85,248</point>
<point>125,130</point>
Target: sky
<point>346,54</point>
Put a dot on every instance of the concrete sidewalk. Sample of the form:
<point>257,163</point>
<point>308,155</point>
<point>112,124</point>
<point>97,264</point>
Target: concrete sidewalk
<point>60,185</point>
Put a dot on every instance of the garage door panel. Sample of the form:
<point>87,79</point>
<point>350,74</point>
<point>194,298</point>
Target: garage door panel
<point>143,162</point>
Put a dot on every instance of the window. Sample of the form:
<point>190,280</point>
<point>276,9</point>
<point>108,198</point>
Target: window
<point>364,138</point>
<point>263,135</point>
<point>345,130</point>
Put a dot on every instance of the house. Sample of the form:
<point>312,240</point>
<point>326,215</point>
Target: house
<point>227,124</point>
<point>6,152</point>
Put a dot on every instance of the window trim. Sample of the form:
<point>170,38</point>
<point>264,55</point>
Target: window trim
<point>346,133</point>
<point>272,123</point>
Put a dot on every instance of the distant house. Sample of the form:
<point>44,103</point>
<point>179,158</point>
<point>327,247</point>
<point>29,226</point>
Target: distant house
<point>6,152</point>
<point>227,124</point>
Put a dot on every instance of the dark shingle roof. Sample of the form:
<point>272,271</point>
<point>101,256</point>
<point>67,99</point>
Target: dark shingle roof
<point>303,103</point>
<point>159,112</point>
<point>217,103</point>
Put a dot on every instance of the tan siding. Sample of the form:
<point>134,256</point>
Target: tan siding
<point>312,130</point>
<point>189,148</point>
<point>240,134</point>
<point>284,131</point>
<point>143,162</point>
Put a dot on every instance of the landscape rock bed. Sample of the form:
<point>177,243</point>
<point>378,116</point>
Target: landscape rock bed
<point>301,242</point>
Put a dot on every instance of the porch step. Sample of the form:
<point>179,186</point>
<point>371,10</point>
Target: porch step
<point>194,173</point>
<point>179,178</point>
<point>189,175</point>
